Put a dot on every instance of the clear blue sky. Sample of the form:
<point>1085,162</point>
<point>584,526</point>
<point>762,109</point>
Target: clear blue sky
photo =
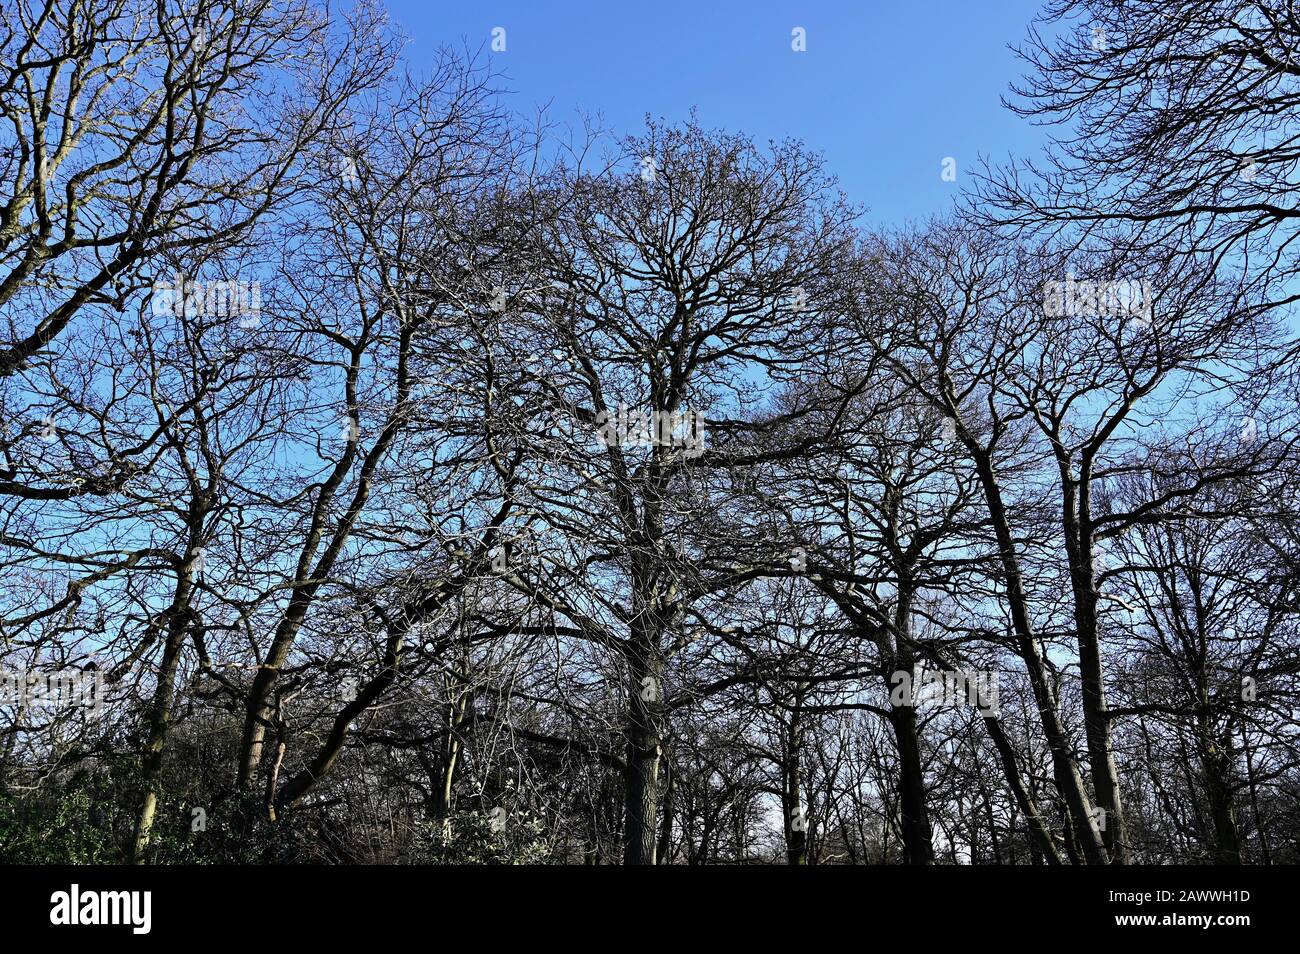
<point>885,90</point>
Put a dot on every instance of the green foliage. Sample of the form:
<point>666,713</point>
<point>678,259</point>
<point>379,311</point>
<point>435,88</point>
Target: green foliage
<point>77,822</point>
<point>235,831</point>
<point>89,818</point>
<point>471,838</point>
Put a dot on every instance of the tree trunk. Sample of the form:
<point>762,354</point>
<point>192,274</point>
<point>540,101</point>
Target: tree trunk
<point>159,723</point>
<point>1217,765</point>
<point>796,813</point>
<point>1065,769</point>
<point>1042,835</point>
<point>918,846</point>
<point>160,715</point>
<point>664,853</point>
<point>917,836</point>
<point>1101,752</point>
<point>644,749</point>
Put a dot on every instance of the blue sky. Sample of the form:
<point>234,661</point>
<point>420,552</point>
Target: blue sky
<point>885,91</point>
